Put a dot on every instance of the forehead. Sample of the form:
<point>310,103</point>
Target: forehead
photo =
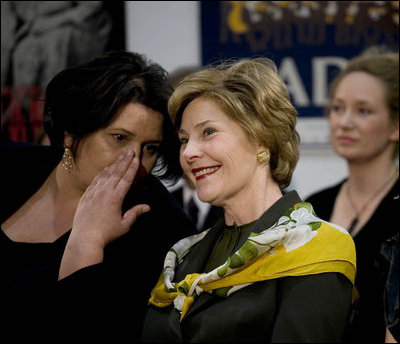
<point>361,85</point>
<point>138,118</point>
<point>203,108</point>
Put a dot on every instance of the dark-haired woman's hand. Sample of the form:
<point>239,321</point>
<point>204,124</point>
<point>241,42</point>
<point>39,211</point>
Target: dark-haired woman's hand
<point>98,219</point>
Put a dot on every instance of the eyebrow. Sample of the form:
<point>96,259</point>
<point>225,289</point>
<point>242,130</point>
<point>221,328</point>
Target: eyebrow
<point>198,125</point>
<point>357,100</point>
<point>132,134</point>
<point>124,130</point>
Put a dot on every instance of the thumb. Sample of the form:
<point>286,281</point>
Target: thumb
<point>132,214</point>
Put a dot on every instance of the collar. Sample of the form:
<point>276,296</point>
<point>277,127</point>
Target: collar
<point>273,213</point>
<point>201,251</point>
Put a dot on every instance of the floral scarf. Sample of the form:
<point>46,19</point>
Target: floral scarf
<point>298,244</point>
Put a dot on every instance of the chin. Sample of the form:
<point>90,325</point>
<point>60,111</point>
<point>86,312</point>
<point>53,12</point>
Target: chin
<point>206,197</point>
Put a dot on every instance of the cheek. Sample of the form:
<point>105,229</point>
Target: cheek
<point>332,123</point>
<point>184,164</point>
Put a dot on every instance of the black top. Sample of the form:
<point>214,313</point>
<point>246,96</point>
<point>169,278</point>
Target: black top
<point>97,302</point>
<point>369,323</point>
<point>312,308</point>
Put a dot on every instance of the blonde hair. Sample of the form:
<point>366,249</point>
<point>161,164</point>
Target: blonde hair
<point>385,67</point>
<point>251,93</point>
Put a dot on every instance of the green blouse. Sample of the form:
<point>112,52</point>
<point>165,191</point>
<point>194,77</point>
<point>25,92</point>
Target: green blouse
<point>227,244</point>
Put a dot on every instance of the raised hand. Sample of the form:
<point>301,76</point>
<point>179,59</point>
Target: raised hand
<point>98,219</point>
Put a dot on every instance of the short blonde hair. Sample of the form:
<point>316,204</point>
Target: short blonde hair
<point>250,92</point>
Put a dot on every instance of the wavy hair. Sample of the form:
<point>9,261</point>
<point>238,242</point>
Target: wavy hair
<point>250,92</point>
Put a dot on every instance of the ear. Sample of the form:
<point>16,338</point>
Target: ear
<point>68,140</point>
<point>262,147</point>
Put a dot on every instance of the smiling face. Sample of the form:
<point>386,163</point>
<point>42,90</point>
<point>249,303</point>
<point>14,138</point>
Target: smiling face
<point>359,119</point>
<point>216,154</point>
<point>135,127</point>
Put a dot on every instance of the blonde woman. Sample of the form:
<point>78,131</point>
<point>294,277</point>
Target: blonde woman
<point>364,124</point>
<point>270,270</point>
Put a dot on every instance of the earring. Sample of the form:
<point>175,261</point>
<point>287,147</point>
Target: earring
<point>67,159</point>
<point>263,157</point>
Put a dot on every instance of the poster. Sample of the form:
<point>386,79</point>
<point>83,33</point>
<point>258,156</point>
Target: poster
<point>41,38</point>
<point>310,41</point>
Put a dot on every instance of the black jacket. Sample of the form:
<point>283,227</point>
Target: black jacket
<point>312,308</point>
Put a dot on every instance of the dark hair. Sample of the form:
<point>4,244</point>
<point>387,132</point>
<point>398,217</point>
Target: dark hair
<point>84,98</point>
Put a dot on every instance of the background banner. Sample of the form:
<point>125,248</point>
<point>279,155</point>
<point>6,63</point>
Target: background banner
<point>310,41</point>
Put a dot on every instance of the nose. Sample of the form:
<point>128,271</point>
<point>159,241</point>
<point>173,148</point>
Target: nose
<point>347,119</point>
<point>137,150</point>
<point>191,151</point>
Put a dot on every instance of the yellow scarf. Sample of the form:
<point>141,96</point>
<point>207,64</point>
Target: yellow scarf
<point>298,244</point>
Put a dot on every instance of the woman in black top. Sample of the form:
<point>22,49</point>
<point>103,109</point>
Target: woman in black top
<point>364,124</point>
<point>111,111</point>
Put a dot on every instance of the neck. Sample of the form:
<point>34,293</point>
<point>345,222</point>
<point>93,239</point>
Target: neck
<point>64,187</point>
<point>250,207</point>
<point>368,176</point>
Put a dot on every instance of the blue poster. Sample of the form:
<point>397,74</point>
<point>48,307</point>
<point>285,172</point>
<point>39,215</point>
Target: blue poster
<point>310,41</point>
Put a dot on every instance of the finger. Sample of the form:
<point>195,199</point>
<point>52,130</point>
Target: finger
<point>99,176</point>
<point>112,174</point>
<point>127,178</point>
<point>132,214</point>
<point>118,167</point>
<point>109,170</point>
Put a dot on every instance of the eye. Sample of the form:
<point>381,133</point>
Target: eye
<point>152,149</point>
<point>364,111</point>
<point>335,108</point>
<point>120,138</point>
<point>183,140</point>
<point>208,131</point>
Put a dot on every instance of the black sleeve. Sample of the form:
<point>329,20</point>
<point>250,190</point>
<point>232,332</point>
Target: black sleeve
<point>313,309</point>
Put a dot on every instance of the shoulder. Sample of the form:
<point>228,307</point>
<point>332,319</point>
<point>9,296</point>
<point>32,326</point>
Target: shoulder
<point>25,155</point>
<point>324,200</point>
<point>327,192</point>
<point>25,166</point>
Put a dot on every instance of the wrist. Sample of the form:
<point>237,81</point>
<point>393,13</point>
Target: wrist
<point>80,253</point>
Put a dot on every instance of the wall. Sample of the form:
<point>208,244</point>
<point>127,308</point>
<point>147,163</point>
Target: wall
<point>168,32</point>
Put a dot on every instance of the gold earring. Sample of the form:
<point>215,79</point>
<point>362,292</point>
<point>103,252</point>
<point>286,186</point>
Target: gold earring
<point>67,159</point>
<point>263,157</point>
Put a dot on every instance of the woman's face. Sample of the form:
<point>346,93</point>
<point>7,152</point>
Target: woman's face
<point>215,153</point>
<point>359,118</point>
<point>134,127</point>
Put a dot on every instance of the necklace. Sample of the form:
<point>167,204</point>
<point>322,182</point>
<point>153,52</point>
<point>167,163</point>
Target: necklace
<point>354,222</point>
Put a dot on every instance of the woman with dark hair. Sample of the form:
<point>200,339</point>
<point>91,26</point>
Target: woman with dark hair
<point>109,129</point>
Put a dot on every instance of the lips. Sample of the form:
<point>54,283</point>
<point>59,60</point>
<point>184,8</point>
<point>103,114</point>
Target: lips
<point>345,139</point>
<point>202,172</point>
